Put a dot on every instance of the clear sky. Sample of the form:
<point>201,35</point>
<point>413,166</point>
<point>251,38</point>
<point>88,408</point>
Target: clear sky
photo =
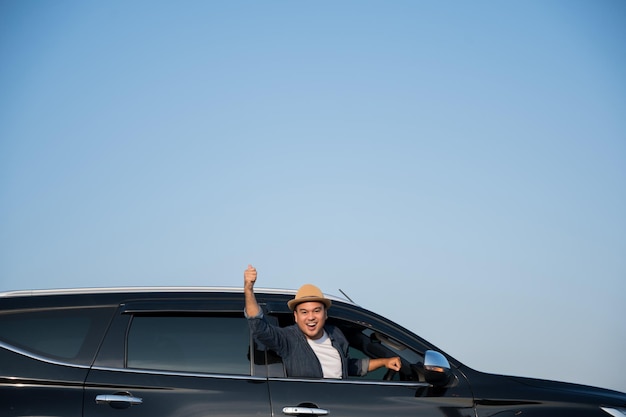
<point>456,166</point>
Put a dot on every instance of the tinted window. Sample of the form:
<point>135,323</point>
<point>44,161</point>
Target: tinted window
<point>61,334</point>
<point>207,344</point>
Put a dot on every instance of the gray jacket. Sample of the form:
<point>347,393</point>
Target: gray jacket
<point>298,357</point>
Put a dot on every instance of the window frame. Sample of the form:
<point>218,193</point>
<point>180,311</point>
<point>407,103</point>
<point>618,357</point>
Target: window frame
<point>113,352</point>
<point>145,318</point>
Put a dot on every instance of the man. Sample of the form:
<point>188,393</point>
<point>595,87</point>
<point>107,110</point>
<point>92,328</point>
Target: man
<point>309,348</point>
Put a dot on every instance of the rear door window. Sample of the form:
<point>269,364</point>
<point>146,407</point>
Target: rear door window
<point>189,343</point>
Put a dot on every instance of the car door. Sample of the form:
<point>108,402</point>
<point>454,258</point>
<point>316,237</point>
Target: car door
<point>171,359</point>
<point>405,393</point>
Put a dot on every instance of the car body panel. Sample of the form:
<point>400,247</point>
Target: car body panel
<point>175,395</point>
<point>371,398</point>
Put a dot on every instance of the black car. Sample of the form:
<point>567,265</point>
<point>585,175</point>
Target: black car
<point>188,352</point>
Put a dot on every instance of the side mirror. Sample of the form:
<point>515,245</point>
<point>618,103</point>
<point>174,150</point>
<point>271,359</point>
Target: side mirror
<point>436,368</point>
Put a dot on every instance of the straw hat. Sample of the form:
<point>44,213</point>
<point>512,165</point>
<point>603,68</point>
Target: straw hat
<point>306,293</point>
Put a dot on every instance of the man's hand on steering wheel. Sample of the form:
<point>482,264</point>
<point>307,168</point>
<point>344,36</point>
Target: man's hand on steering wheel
<point>393,365</point>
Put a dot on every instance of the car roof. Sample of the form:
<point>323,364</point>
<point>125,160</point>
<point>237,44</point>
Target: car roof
<point>148,289</point>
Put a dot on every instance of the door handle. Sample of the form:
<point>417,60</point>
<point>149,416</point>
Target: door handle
<point>294,411</point>
<point>118,399</point>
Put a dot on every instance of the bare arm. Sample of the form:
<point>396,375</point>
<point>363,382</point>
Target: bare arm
<point>391,363</point>
<point>249,278</point>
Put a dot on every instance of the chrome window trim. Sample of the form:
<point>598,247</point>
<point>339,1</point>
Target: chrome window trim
<point>410,384</point>
<point>40,358</point>
<point>180,373</point>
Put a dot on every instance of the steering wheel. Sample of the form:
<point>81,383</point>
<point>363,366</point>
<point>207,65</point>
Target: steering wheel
<point>389,375</point>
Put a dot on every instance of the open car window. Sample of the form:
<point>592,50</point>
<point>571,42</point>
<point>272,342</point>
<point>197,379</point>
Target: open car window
<point>367,342</point>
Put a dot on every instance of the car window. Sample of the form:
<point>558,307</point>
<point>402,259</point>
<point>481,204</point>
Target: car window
<point>69,334</point>
<point>188,343</point>
<point>367,342</point>
<point>377,374</point>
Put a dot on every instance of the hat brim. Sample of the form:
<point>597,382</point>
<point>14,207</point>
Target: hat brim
<point>293,303</point>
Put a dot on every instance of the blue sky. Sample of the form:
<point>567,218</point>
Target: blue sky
<point>458,167</point>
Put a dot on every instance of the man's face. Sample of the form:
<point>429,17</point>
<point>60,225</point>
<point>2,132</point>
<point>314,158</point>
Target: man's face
<point>310,318</point>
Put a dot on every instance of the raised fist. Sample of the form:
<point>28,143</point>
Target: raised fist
<point>249,277</point>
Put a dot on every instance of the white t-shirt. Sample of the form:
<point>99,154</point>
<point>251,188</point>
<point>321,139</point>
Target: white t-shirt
<point>327,355</point>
